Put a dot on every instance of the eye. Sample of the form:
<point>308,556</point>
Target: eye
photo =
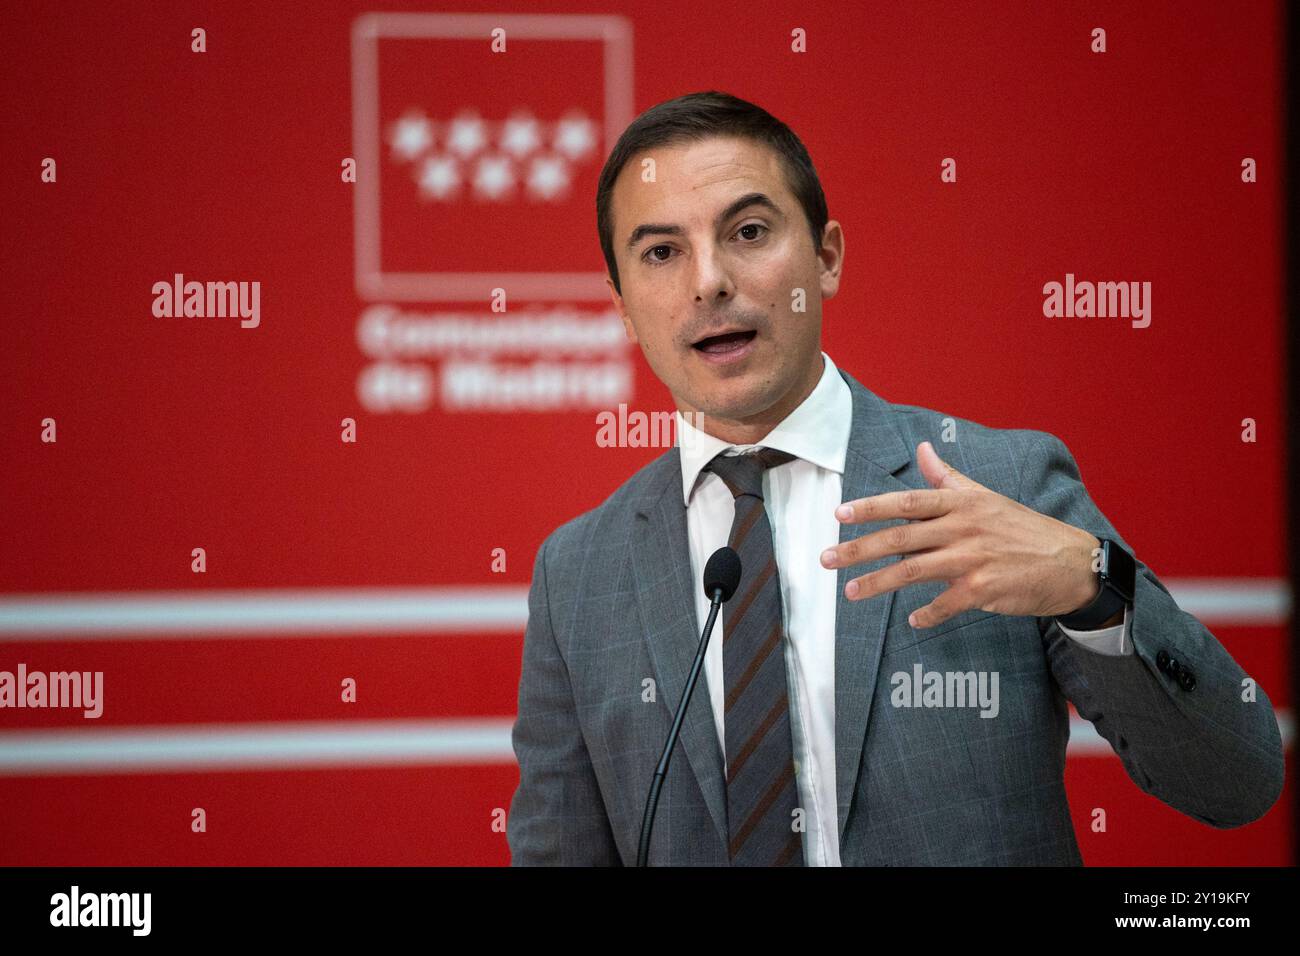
<point>650,259</point>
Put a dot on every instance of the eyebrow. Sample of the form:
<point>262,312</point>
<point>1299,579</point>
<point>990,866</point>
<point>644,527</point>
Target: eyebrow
<point>662,229</point>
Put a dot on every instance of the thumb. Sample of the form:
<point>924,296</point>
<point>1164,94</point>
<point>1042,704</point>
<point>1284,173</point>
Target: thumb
<point>938,472</point>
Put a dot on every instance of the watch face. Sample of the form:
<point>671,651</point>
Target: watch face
<point>1120,569</point>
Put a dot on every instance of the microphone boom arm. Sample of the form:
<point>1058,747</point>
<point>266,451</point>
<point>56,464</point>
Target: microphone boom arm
<point>647,821</point>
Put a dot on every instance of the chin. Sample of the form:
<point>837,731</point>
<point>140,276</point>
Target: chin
<point>733,404</point>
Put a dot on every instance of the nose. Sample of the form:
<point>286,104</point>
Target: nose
<point>712,280</point>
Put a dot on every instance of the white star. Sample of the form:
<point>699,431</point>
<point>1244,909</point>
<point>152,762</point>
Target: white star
<point>410,136</point>
<point>548,176</point>
<point>439,177</point>
<point>519,135</point>
<point>494,176</point>
<point>467,135</point>
<point>575,135</point>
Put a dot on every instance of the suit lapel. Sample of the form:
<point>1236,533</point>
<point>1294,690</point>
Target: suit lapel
<point>876,451</point>
<point>665,598</point>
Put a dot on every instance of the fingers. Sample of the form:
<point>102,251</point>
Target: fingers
<point>948,604</point>
<point>913,503</point>
<point>898,539</point>
<point>941,565</point>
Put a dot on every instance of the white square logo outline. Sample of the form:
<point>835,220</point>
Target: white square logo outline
<point>374,284</point>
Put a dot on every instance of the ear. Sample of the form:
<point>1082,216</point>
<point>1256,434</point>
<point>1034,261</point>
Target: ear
<point>831,258</point>
<point>622,311</point>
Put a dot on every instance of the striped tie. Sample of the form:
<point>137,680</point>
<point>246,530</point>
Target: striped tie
<point>761,791</point>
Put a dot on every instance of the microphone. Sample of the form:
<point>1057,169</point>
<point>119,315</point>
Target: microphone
<point>721,578</point>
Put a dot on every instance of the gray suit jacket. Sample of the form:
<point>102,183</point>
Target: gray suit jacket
<point>612,604</point>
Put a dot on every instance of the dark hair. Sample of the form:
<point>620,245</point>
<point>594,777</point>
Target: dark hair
<point>698,116</point>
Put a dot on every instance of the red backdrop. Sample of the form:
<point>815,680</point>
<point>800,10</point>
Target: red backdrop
<point>177,433</point>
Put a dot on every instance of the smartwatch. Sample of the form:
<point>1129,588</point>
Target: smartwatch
<point>1118,576</point>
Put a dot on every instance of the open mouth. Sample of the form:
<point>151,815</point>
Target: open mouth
<point>727,342</point>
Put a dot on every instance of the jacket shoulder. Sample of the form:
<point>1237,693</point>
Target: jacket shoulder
<point>921,419</point>
<point>576,535</point>
<point>974,448</point>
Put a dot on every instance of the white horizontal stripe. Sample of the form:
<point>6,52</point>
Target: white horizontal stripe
<point>132,615</point>
<point>1233,601</point>
<point>318,744</point>
<point>180,614</point>
<point>271,746</point>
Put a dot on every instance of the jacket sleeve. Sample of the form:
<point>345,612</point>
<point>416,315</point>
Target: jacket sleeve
<point>1205,745</point>
<point>557,816</point>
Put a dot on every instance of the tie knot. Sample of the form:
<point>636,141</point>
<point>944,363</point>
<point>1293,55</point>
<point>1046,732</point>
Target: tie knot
<point>743,474</point>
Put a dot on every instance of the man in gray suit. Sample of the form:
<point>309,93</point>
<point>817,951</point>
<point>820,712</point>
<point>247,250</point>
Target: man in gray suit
<point>888,684</point>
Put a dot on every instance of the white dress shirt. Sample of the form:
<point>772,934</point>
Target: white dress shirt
<point>801,498</point>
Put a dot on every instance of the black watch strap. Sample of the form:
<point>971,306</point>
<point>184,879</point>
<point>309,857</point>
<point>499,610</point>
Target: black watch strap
<point>1118,577</point>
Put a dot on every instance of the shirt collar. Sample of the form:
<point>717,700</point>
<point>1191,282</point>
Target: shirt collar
<point>816,431</point>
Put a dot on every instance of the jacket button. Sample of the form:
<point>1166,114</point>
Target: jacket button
<point>1175,668</point>
<point>1187,680</point>
<point>1162,659</point>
